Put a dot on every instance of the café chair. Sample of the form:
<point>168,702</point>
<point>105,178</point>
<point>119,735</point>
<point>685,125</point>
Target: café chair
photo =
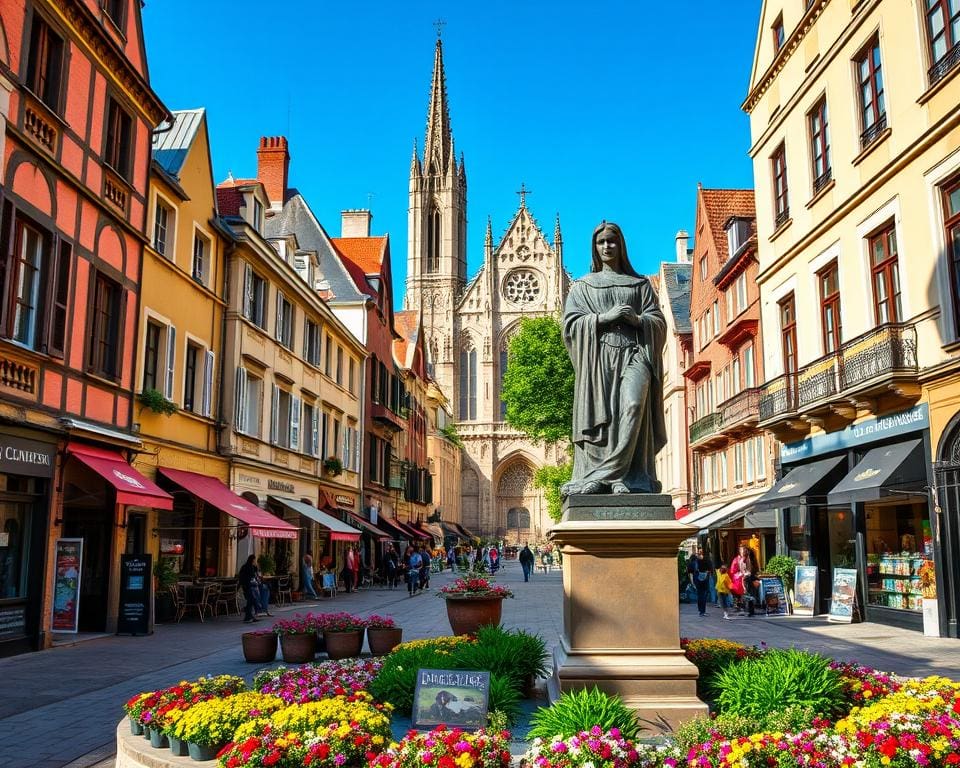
<point>284,590</point>
<point>228,596</point>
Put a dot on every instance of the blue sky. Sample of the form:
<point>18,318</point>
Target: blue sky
<point>605,110</point>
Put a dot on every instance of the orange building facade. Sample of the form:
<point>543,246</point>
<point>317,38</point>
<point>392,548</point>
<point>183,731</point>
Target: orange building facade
<point>78,113</point>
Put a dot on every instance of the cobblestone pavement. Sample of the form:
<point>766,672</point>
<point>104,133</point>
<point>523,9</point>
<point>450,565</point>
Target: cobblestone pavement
<point>59,708</point>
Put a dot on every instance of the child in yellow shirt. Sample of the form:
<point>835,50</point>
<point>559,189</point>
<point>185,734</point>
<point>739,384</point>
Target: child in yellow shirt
<point>724,593</point>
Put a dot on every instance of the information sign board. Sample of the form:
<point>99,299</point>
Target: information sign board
<point>67,569</point>
<point>136,584</point>
<point>805,590</point>
<point>844,596</point>
<point>773,597</point>
<point>454,697</point>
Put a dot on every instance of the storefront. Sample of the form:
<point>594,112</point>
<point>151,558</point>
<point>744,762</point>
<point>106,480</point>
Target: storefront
<point>859,498</point>
<point>737,524</point>
<point>331,536</point>
<point>27,464</point>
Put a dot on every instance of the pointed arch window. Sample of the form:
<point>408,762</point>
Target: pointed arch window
<point>468,382</point>
<point>433,242</point>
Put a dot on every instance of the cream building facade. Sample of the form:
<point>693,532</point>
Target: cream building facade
<point>855,119</point>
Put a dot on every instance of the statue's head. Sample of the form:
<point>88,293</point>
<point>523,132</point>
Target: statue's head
<point>608,231</point>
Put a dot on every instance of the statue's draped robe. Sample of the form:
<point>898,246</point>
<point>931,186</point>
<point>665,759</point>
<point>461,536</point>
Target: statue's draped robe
<point>618,423</point>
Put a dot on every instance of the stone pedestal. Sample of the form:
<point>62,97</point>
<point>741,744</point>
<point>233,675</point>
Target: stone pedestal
<point>621,610</point>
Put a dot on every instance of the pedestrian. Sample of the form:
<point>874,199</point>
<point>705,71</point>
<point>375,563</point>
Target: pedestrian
<point>425,563</point>
<point>494,559</point>
<point>526,561</point>
<point>698,572</point>
<point>412,561</point>
<point>743,571</point>
<point>392,566</point>
<point>347,573</point>
<point>306,576</point>
<point>451,557</point>
<point>247,578</point>
<point>355,566</point>
<point>724,593</point>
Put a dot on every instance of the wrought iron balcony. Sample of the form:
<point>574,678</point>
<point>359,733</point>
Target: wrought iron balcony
<point>877,355</point>
<point>778,397</point>
<point>822,180</point>
<point>705,427</point>
<point>871,134</point>
<point>385,417</point>
<point>740,411</point>
<point>947,62</point>
<point>818,380</point>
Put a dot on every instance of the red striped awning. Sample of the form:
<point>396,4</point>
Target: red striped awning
<point>132,487</point>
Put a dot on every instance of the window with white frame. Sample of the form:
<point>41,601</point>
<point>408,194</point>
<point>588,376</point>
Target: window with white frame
<point>716,318</point>
<point>741,292</point>
<point>738,464</point>
<point>352,376</point>
<point>339,377</point>
<point>254,297</point>
<point>201,258</point>
<point>284,333</point>
<point>324,435</point>
<point>311,342</point>
<point>735,375</point>
<point>722,471</point>
<point>761,452</point>
<point>311,429</point>
<point>749,376</point>
<point>159,357</point>
<point>249,399</point>
<point>728,295</point>
<point>750,457</point>
<point>327,353</point>
<point>164,219</point>
<point>198,373</point>
<point>285,422</point>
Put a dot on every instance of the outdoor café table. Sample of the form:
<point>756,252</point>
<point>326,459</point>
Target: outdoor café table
<point>198,596</point>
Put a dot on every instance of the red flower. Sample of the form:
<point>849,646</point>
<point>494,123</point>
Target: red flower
<point>889,746</point>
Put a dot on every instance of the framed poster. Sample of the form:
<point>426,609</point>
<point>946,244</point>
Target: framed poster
<point>773,597</point>
<point>451,697</point>
<point>805,590</point>
<point>136,598</point>
<point>67,569</point>
<point>844,596</point>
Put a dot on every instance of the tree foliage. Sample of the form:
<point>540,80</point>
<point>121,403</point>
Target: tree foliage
<point>551,478</point>
<point>538,382</point>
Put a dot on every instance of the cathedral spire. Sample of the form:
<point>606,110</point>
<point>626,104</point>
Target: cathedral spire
<point>557,237</point>
<point>437,147</point>
<point>415,160</point>
<point>488,240</point>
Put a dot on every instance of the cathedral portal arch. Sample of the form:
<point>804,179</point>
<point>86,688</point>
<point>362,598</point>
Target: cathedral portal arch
<point>516,496</point>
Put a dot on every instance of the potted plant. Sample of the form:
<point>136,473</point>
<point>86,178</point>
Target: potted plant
<point>383,635</point>
<point>209,725</point>
<point>343,634</point>
<point>332,466</point>
<point>472,602</point>
<point>298,638</point>
<point>266,564</point>
<point>173,702</point>
<point>134,709</point>
<point>259,647</point>
<point>165,577</point>
<point>154,400</point>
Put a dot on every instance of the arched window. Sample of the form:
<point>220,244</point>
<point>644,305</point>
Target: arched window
<point>433,242</point>
<point>468,382</point>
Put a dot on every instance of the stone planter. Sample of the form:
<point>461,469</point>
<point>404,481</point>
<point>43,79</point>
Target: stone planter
<point>158,739</point>
<point>382,640</point>
<point>468,614</point>
<point>259,647</point>
<point>203,752</point>
<point>298,649</point>
<point>136,727</point>
<point>343,645</point>
<point>178,747</point>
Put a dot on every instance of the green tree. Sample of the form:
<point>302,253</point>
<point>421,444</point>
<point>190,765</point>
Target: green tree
<point>538,382</point>
<point>551,478</point>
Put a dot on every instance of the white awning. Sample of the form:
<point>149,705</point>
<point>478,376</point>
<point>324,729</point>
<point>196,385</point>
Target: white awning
<point>339,531</point>
<point>736,509</point>
<point>695,518</point>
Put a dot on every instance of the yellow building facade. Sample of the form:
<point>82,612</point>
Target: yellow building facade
<point>855,132</point>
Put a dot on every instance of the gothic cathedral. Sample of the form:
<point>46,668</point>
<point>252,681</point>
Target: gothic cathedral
<point>468,324</point>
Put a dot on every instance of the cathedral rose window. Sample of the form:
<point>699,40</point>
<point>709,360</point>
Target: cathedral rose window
<point>522,286</point>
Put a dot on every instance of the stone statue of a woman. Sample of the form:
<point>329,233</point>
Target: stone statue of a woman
<point>614,331</point>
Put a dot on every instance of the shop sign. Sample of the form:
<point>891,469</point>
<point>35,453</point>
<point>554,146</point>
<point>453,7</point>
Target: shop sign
<point>344,501</point>
<point>805,590</point>
<point>773,597</point>
<point>136,582</point>
<point>248,479</point>
<point>26,457</point>
<point>452,697</point>
<point>13,621</point>
<point>280,485</point>
<point>844,597</point>
<point>867,431</point>
<point>68,566</point>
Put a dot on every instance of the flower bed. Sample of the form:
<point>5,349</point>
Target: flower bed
<point>447,748</point>
<point>154,709</point>
<point>296,685</point>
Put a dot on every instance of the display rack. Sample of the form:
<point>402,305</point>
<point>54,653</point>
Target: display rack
<point>893,581</point>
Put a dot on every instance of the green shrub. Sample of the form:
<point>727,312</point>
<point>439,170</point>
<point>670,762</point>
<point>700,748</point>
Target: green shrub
<point>711,655</point>
<point>779,679</point>
<point>504,699</point>
<point>514,654</point>
<point>784,567</point>
<point>577,711</point>
<point>704,728</point>
<point>397,680</point>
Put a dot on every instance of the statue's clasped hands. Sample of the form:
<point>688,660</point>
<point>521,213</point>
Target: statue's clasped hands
<point>624,313</point>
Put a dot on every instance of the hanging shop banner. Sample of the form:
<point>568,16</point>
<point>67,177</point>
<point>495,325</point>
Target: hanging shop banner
<point>805,590</point>
<point>453,697</point>
<point>136,581</point>
<point>844,596</point>
<point>67,565</point>
<point>773,597</point>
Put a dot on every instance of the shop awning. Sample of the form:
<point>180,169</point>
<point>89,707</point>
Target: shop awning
<point>339,531</point>
<point>367,526</point>
<point>450,530</point>
<point>413,533</point>
<point>464,533</point>
<point>743,509</point>
<point>392,527</point>
<point>132,487</point>
<point>800,483</point>
<point>708,521</point>
<point>883,472</point>
<point>695,517</point>
<point>432,530</point>
<point>261,523</point>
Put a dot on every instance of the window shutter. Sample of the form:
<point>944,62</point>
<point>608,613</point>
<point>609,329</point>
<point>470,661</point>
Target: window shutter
<point>315,432</point>
<point>275,415</point>
<point>59,292</point>
<point>7,247</point>
<point>278,331</point>
<point>356,451</point>
<point>345,458</point>
<point>241,400</point>
<point>323,437</point>
<point>207,404</point>
<point>428,489</point>
<point>296,406</point>
<point>248,291</point>
<point>171,360</point>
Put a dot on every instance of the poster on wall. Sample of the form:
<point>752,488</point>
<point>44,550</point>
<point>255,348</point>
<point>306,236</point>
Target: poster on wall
<point>805,590</point>
<point>844,596</point>
<point>773,597</point>
<point>67,568</point>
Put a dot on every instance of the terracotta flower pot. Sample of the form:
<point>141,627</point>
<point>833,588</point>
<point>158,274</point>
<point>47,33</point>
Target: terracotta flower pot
<point>259,647</point>
<point>298,649</point>
<point>382,640</point>
<point>344,645</point>
<point>468,614</point>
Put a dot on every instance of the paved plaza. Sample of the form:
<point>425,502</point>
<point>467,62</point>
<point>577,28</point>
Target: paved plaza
<point>60,707</point>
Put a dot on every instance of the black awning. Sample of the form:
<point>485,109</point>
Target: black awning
<point>897,467</point>
<point>802,482</point>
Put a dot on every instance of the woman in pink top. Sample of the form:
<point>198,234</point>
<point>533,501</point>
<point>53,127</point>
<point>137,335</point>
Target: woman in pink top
<point>743,571</point>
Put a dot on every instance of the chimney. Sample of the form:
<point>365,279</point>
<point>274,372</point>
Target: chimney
<point>355,222</point>
<point>682,239</point>
<point>273,162</point>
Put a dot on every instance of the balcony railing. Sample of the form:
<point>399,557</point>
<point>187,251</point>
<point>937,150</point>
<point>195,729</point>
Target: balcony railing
<point>742,408</point>
<point>385,417</point>
<point>881,352</point>
<point>870,135</point>
<point>15,375</point>
<point>778,397</point>
<point>947,62</point>
<point>818,380</point>
<point>822,180</point>
<point>704,427</point>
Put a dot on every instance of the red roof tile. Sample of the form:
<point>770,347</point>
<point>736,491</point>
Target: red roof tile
<point>366,252</point>
<point>720,205</point>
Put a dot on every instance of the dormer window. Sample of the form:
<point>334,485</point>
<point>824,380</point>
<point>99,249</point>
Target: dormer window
<point>257,214</point>
<point>738,232</point>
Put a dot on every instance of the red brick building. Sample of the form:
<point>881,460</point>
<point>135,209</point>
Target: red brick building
<point>729,456</point>
<point>78,113</point>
